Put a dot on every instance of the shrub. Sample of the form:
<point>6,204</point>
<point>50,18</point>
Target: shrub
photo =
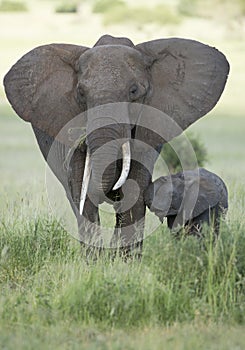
<point>240,7</point>
<point>118,12</point>
<point>179,154</point>
<point>188,7</point>
<point>12,6</point>
<point>66,8</point>
<point>102,6</point>
<point>212,8</point>
<point>163,14</point>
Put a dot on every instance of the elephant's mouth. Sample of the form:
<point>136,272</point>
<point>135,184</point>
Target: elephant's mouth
<point>126,159</point>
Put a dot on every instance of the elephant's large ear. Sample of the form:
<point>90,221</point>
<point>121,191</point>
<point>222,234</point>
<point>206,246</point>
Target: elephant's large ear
<point>208,196</point>
<point>188,77</point>
<point>206,190</point>
<point>41,86</point>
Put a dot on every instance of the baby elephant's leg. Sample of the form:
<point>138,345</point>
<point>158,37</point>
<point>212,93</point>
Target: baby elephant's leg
<point>196,224</point>
<point>211,217</point>
<point>170,221</point>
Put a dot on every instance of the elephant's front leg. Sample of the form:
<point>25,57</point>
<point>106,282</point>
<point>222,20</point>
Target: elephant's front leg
<point>89,221</point>
<point>89,230</point>
<point>131,209</point>
<point>132,230</point>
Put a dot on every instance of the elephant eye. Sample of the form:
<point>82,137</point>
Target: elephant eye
<point>80,90</point>
<point>80,94</point>
<point>133,92</point>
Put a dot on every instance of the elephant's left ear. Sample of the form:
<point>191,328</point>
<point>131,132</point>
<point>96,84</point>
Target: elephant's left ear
<point>188,77</point>
<point>208,196</point>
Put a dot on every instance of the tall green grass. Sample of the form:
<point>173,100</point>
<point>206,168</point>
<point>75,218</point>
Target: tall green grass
<point>44,279</point>
<point>50,296</point>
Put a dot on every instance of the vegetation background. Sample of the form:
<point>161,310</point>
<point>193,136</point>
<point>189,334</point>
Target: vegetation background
<point>182,295</point>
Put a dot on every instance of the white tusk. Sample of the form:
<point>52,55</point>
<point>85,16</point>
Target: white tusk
<point>86,177</point>
<point>125,166</point>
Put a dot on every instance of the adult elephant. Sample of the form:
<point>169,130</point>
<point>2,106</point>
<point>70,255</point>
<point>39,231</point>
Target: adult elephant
<point>52,84</point>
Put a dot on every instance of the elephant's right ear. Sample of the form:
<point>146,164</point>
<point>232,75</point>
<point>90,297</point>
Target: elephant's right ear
<point>41,86</point>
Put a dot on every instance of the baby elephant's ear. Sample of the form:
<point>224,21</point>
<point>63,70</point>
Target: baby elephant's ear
<point>208,196</point>
<point>188,78</point>
<point>41,86</point>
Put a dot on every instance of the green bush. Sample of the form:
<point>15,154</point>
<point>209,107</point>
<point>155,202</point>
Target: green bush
<point>212,8</point>
<point>119,12</point>
<point>188,7</point>
<point>200,8</point>
<point>241,4</point>
<point>163,14</point>
<point>102,6</point>
<point>66,8</point>
<point>179,155</point>
<point>13,6</point>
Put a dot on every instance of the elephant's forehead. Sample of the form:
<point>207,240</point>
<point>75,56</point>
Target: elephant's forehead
<point>111,56</point>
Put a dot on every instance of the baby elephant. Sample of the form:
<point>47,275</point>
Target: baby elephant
<point>189,199</point>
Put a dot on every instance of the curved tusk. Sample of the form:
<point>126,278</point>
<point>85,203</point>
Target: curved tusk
<point>125,167</point>
<point>86,177</point>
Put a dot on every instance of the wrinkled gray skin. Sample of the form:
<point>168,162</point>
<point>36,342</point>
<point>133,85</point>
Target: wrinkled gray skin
<point>53,83</point>
<point>170,196</point>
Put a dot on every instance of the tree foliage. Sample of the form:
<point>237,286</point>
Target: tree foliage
<point>179,157</point>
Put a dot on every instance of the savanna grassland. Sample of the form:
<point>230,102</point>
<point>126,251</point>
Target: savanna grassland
<point>183,294</point>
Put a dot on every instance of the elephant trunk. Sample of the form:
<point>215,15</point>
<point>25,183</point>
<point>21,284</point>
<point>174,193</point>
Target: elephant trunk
<point>108,141</point>
<point>104,146</point>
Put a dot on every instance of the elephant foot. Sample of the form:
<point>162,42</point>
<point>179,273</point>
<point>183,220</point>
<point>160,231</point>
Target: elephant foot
<point>124,251</point>
<point>91,243</point>
<point>89,253</point>
<point>132,252</point>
